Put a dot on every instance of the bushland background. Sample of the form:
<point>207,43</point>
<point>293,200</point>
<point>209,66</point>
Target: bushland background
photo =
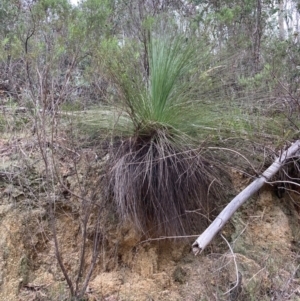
<point>126,126</point>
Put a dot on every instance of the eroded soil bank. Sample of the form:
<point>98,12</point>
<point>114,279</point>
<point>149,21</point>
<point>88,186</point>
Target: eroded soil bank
<point>264,235</point>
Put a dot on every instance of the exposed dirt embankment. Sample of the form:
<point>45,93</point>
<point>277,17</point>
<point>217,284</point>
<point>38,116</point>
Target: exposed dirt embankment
<point>264,235</point>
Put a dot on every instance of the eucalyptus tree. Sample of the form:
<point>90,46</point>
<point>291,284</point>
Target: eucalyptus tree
<point>10,18</point>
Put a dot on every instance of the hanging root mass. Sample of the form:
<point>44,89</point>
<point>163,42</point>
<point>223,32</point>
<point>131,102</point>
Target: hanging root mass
<point>164,191</point>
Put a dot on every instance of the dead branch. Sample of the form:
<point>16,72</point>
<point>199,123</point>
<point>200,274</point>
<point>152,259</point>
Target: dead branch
<point>206,237</point>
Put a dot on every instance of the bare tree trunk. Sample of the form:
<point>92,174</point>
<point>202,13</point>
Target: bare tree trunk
<point>206,237</point>
<point>281,20</point>
<point>257,37</point>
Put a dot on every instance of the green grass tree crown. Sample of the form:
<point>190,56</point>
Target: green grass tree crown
<point>166,98</point>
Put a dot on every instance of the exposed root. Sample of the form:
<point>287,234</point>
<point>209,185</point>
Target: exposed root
<point>158,185</point>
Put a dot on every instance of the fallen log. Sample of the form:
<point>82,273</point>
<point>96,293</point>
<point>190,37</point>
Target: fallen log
<point>206,237</point>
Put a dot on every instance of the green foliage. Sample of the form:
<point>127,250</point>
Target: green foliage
<point>166,100</point>
<point>257,80</point>
<point>93,20</point>
<point>148,23</point>
<point>226,14</point>
<point>173,97</point>
<point>2,123</point>
<point>170,64</point>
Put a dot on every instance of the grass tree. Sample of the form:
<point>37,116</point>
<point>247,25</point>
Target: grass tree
<point>159,173</point>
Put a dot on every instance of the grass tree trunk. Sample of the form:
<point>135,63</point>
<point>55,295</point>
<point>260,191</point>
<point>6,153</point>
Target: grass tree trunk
<point>206,237</point>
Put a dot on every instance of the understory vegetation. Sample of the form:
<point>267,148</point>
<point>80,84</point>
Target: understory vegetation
<point>166,97</point>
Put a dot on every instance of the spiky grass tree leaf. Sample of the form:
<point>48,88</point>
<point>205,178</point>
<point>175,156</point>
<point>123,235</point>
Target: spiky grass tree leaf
<point>112,121</point>
<point>169,98</point>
